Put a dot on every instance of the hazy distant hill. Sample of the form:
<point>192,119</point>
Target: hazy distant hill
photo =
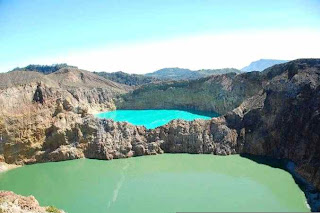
<point>208,72</point>
<point>128,79</point>
<point>45,69</point>
<point>186,74</point>
<point>262,64</point>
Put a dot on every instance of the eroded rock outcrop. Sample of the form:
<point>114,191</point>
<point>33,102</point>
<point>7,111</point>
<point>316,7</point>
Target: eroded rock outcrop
<point>196,137</point>
<point>283,121</point>
<point>279,118</point>
<point>218,93</point>
<point>13,203</point>
<point>25,126</point>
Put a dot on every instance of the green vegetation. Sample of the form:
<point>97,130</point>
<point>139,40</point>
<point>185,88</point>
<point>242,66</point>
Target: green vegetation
<point>45,69</point>
<point>186,74</point>
<point>52,209</point>
<point>128,79</point>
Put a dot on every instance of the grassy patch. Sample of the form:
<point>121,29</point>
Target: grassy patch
<point>52,209</point>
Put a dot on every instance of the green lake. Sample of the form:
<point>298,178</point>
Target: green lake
<point>154,118</point>
<point>162,183</point>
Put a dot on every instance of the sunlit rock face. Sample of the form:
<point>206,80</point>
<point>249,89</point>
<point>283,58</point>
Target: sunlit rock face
<point>273,113</point>
<point>25,124</point>
<point>218,93</point>
<point>11,202</point>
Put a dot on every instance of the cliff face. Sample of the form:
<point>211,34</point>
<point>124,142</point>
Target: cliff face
<point>72,137</point>
<point>276,115</point>
<point>24,124</point>
<point>288,123</point>
<point>280,119</point>
<point>220,93</point>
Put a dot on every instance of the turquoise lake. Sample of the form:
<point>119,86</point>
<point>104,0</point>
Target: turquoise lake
<point>154,118</point>
<point>164,183</point>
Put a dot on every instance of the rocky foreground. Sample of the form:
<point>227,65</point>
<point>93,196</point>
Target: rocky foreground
<point>276,113</point>
<point>13,203</point>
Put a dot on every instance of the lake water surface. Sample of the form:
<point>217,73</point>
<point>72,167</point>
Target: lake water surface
<point>154,118</point>
<point>162,183</point>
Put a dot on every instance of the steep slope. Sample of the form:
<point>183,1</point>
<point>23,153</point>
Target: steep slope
<point>287,123</point>
<point>219,93</point>
<point>283,121</point>
<point>262,64</point>
<point>186,74</point>
<point>82,88</point>
<point>128,79</point>
<point>24,124</point>
<point>277,116</point>
<point>17,78</point>
<point>73,77</point>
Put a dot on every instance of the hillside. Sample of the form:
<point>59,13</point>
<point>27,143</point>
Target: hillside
<point>186,74</point>
<point>219,93</point>
<point>274,113</point>
<point>17,78</point>
<point>262,64</point>
<point>45,69</point>
<point>128,79</point>
<point>81,88</point>
<point>135,79</point>
<point>73,77</point>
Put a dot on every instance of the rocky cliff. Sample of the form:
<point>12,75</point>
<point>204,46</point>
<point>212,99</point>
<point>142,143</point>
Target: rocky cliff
<point>273,113</point>
<point>13,203</point>
<point>219,93</point>
<point>24,123</point>
<point>287,124</point>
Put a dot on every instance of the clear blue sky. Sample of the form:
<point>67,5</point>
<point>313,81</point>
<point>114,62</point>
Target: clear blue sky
<point>38,28</point>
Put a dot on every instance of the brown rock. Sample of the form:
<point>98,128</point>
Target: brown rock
<point>13,203</point>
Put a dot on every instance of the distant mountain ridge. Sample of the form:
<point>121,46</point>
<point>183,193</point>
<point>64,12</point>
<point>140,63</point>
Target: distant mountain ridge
<point>262,64</point>
<point>165,74</point>
<point>45,69</point>
<point>128,79</point>
<point>176,73</point>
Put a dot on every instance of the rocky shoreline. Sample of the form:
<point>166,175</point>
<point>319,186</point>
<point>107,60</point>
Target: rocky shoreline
<point>279,118</point>
<point>13,203</point>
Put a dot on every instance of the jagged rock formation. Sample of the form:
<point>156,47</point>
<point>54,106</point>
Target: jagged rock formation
<point>286,124</point>
<point>13,203</point>
<point>24,124</point>
<point>70,137</point>
<point>281,90</point>
<point>276,114</point>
